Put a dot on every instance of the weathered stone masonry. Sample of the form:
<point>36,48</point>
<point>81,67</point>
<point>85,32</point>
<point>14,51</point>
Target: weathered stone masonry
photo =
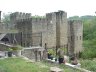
<point>53,29</point>
<point>75,31</point>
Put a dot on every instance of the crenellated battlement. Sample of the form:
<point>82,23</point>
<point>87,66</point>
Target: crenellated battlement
<point>20,15</point>
<point>23,20</point>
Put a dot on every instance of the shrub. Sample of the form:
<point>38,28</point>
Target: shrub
<point>89,53</point>
<point>14,48</point>
<point>89,64</point>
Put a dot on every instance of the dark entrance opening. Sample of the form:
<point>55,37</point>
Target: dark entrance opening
<point>5,40</point>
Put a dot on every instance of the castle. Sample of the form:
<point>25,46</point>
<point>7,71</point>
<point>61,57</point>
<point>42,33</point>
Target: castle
<point>53,30</point>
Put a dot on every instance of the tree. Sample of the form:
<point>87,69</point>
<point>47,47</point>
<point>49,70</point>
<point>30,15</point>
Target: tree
<point>6,20</point>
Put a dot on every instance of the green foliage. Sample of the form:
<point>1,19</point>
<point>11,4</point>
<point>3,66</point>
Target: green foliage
<point>74,18</point>
<point>9,49</point>
<point>6,21</point>
<point>89,65</point>
<point>89,53</point>
<point>20,65</point>
<point>65,50</point>
<point>14,48</point>
<point>52,51</point>
<point>89,49</point>
<point>87,17</point>
<point>89,29</point>
<point>36,16</point>
<point>18,47</point>
<point>6,18</point>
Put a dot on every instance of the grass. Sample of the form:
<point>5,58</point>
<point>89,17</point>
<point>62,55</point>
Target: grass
<point>89,64</point>
<point>62,66</point>
<point>20,65</point>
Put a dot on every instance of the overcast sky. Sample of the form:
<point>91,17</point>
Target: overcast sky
<point>40,7</point>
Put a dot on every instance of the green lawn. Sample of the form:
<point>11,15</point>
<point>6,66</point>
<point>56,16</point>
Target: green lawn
<point>20,65</point>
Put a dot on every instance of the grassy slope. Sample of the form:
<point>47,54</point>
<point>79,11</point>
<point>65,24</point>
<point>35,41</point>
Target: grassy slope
<point>20,65</point>
<point>89,64</point>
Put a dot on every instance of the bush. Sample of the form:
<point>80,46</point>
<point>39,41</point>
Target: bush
<point>89,53</point>
<point>14,48</point>
<point>51,51</point>
<point>89,65</point>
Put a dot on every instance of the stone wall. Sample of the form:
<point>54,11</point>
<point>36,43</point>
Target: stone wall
<point>34,53</point>
<point>38,31</point>
<point>52,30</point>
<point>20,21</point>
<point>29,54</point>
<point>75,37</point>
<point>57,29</point>
<point>25,30</point>
<point>18,16</point>
<point>3,47</point>
<point>46,30</point>
<point>61,29</point>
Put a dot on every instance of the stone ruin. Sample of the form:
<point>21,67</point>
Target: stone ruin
<point>53,30</point>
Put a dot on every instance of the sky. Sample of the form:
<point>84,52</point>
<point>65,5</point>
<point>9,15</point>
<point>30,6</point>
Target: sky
<point>40,7</point>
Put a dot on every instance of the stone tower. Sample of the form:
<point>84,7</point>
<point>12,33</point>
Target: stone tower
<point>20,21</point>
<point>61,29</point>
<point>51,29</point>
<point>75,37</point>
<point>18,16</point>
<point>57,29</point>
